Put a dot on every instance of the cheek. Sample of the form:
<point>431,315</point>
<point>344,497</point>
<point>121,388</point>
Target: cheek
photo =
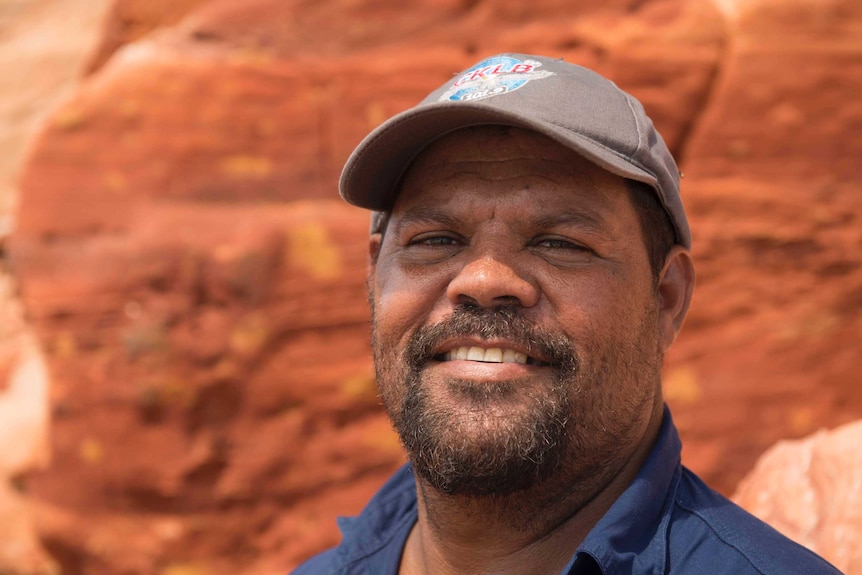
<point>396,311</point>
<point>406,301</point>
<point>601,311</point>
<point>583,303</point>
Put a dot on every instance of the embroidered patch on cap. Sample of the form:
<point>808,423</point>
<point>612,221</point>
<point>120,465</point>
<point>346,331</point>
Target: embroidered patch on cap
<point>492,77</point>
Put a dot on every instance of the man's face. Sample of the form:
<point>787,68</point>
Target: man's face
<point>516,323</point>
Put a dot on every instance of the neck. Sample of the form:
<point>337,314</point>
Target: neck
<point>482,535</point>
<point>532,531</point>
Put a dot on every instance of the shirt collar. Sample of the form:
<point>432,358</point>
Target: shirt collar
<point>632,536</point>
<point>379,533</point>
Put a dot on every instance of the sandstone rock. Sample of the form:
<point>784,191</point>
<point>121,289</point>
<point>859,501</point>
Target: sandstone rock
<point>770,184</point>
<point>42,44</point>
<point>794,68</point>
<point>21,551</point>
<point>199,290</point>
<point>129,20</point>
<point>23,437</point>
<point>811,490</point>
<point>24,410</point>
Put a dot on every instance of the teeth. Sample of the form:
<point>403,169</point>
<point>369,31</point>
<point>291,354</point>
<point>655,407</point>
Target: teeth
<point>491,355</point>
<point>494,354</point>
<point>476,354</point>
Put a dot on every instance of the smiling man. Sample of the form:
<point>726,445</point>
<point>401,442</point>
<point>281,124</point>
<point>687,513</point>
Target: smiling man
<point>529,268</point>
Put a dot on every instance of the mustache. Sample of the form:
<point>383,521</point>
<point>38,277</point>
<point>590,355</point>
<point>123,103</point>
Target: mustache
<point>504,322</point>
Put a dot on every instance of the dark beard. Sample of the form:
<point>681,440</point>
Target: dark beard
<point>513,453</point>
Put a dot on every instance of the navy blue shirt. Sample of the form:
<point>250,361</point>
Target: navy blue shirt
<point>666,521</point>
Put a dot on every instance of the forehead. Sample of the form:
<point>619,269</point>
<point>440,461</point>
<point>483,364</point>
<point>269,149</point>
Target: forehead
<point>498,159</point>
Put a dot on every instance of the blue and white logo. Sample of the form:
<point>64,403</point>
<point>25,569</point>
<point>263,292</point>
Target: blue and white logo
<point>492,77</point>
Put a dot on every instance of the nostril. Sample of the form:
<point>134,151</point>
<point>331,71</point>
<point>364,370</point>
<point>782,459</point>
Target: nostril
<point>491,282</point>
<point>464,299</point>
<point>507,300</point>
<point>498,301</point>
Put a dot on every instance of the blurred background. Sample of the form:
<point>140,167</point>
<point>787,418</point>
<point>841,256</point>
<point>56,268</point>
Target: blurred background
<point>185,376</point>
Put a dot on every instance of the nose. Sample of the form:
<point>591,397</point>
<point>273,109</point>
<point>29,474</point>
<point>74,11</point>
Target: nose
<point>490,282</point>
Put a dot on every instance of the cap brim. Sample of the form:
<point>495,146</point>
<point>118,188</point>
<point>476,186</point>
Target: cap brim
<point>372,173</point>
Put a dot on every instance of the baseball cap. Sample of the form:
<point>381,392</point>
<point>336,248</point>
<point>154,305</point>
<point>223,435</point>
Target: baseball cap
<point>571,104</point>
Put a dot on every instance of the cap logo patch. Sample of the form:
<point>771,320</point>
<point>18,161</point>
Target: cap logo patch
<point>492,77</point>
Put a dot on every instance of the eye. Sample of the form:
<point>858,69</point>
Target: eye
<point>431,247</point>
<point>434,239</point>
<point>562,251</point>
<point>561,244</point>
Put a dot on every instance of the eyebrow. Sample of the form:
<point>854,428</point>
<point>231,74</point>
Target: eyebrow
<point>428,215</point>
<point>584,220</point>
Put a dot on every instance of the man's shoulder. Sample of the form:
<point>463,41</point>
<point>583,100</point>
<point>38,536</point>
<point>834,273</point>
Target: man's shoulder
<point>710,534</point>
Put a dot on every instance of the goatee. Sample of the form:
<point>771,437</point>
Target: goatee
<point>487,453</point>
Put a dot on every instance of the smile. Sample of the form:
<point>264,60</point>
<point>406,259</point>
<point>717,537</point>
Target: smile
<point>489,355</point>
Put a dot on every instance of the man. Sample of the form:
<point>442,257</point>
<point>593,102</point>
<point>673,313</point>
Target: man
<point>529,268</point>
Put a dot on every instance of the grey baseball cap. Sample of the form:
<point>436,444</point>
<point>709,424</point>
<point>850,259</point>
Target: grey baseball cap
<point>575,106</point>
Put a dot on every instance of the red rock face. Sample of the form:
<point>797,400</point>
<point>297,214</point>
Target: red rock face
<point>131,20</point>
<point>199,289</point>
<point>768,348</point>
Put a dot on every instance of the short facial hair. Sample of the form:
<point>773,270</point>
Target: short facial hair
<point>513,453</point>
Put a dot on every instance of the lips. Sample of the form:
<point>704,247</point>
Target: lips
<point>489,337</point>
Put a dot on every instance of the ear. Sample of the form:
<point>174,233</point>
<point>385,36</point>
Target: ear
<point>374,242</point>
<point>675,287</point>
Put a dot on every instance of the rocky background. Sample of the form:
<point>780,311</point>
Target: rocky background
<point>186,386</point>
